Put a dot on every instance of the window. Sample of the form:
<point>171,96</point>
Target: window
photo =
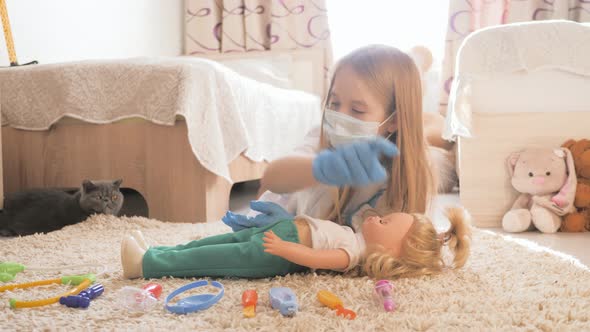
<point>400,23</point>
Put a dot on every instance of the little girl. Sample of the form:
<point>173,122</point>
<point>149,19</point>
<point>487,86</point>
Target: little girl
<point>395,245</point>
<point>370,149</point>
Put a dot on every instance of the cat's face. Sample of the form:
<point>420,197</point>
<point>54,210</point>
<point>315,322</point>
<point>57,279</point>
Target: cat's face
<point>101,197</point>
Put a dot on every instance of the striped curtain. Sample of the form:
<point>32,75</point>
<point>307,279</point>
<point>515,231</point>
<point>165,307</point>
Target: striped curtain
<point>223,26</point>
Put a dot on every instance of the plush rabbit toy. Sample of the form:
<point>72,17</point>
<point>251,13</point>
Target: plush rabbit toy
<point>546,179</point>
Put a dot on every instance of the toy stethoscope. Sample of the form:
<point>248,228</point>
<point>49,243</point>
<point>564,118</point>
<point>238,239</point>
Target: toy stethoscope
<point>8,271</point>
<point>81,282</point>
<point>195,302</point>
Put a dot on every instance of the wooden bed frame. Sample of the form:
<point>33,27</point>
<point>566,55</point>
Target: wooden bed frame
<point>155,160</point>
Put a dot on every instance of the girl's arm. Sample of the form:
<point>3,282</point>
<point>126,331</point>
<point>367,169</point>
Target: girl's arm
<point>330,259</point>
<point>434,124</point>
<point>287,175</point>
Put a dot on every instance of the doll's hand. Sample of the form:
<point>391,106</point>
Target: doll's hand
<point>273,244</point>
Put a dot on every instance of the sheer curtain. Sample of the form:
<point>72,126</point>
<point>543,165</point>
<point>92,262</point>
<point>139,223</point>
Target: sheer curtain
<point>229,26</point>
<point>222,26</point>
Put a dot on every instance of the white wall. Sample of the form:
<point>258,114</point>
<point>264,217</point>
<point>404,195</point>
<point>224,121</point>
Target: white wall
<point>68,30</point>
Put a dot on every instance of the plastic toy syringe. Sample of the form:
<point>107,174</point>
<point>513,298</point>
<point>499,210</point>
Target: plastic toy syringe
<point>139,299</point>
<point>249,300</point>
<point>333,302</point>
<point>384,295</point>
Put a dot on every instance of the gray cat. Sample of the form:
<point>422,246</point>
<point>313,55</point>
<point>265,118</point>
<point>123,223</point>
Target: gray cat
<point>46,210</point>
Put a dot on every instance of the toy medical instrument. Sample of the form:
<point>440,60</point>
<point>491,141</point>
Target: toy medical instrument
<point>8,270</point>
<point>195,302</point>
<point>154,289</point>
<point>140,299</point>
<point>93,291</point>
<point>384,295</point>
<point>249,300</point>
<point>75,301</point>
<point>333,302</point>
<point>81,282</point>
<point>82,300</point>
<point>284,300</point>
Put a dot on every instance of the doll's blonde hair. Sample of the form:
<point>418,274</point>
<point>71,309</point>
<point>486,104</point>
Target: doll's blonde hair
<point>422,249</point>
<point>393,76</point>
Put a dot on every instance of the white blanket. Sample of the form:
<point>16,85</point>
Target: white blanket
<point>527,67</point>
<point>527,46</point>
<point>226,114</point>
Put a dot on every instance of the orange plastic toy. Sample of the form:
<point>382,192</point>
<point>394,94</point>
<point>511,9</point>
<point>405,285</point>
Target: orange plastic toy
<point>333,302</point>
<point>249,300</point>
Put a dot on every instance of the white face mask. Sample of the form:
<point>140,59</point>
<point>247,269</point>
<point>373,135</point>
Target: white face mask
<point>340,128</point>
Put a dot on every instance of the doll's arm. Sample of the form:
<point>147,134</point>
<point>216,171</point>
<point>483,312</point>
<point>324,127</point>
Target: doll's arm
<point>330,259</point>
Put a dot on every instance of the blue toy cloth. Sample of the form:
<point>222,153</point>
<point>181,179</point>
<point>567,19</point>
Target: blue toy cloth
<point>270,213</point>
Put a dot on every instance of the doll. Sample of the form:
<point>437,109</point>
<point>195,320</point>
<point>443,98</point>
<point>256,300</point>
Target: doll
<point>383,246</point>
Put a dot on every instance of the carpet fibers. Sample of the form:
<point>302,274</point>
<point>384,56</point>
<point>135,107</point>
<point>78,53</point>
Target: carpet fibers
<point>505,286</point>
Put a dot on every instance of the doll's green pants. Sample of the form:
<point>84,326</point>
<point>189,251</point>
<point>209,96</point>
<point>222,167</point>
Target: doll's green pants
<point>238,254</point>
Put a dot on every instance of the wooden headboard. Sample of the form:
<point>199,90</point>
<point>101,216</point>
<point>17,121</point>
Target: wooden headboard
<point>307,66</point>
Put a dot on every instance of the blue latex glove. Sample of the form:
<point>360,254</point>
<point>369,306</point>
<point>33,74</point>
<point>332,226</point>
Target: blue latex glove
<point>355,164</point>
<point>269,214</point>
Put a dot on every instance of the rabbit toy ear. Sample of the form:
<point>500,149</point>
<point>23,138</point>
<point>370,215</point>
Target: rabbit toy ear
<point>560,153</point>
<point>567,194</point>
<point>511,162</point>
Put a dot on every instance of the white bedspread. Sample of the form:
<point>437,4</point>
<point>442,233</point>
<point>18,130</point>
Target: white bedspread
<point>541,66</point>
<point>226,114</point>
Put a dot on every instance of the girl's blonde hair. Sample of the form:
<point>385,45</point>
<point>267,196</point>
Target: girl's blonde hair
<point>421,252</point>
<point>393,76</point>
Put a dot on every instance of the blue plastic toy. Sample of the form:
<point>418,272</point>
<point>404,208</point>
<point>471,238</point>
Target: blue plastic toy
<point>284,300</point>
<point>82,300</point>
<point>195,302</point>
<point>92,292</point>
<point>75,301</point>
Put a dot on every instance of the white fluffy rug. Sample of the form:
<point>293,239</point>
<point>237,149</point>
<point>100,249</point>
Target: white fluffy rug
<point>505,286</point>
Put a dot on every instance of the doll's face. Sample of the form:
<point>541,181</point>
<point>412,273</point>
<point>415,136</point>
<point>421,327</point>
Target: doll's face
<point>388,231</point>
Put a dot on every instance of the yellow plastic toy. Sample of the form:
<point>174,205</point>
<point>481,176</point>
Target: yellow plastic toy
<point>81,282</point>
<point>333,302</point>
<point>8,35</point>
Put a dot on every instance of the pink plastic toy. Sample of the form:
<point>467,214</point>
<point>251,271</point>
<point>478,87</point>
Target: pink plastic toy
<point>384,294</point>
